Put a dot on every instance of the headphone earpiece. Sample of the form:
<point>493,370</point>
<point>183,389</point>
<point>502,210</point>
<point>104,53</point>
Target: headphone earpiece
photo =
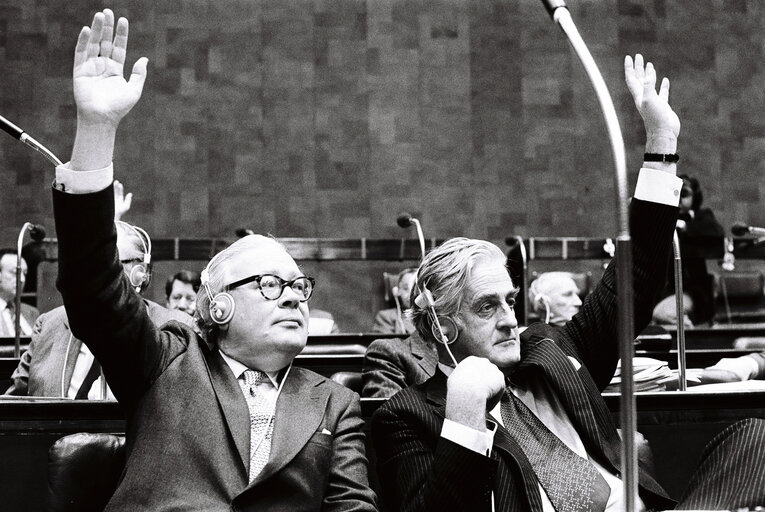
<point>222,308</point>
<point>139,276</point>
<point>449,329</point>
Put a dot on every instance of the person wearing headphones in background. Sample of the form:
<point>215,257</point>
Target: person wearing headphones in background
<point>8,259</point>
<point>554,297</point>
<point>221,401</point>
<point>516,421</point>
<point>181,291</point>
<point>392,364</point>
<point>59,365</point>
<point>394,320</point>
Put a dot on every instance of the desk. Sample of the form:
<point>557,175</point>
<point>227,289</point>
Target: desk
<point>676,424</point>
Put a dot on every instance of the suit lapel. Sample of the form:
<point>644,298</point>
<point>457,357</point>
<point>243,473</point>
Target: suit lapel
<point>72,347</point>
<point>300,409</point>
<point>570,388</point>
<point>232,404</point>
<point>426,355</point>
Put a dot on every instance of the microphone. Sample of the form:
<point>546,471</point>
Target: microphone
<point>19,134</point>
<point>36,232</point>
<point>405,220</point>
<point>243,232</point>
<point>552,5</point>
<point>741,229</point>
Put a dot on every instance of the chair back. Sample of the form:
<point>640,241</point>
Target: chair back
<point>83,471</point>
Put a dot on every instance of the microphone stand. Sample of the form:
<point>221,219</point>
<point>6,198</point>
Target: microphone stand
<point>19,134</point>
<point>562,17</point>
<point>17,298</point>
<point>680,307</point>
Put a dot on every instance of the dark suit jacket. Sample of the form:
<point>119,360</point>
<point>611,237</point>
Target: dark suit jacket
<point>188,425</point>
<point>46,367</point>
<point>393,364</point>
<point>419,470</point>
<point>28,313</point>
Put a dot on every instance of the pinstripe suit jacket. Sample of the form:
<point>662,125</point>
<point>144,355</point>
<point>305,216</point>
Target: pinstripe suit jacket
<point>420,471</point>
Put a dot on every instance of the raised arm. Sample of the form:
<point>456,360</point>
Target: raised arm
<point>652,219</point>
<point>102,94</point>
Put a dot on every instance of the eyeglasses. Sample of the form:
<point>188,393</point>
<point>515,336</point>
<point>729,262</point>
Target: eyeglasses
<point>272,287</point>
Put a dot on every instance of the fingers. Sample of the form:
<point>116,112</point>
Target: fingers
<point>664,89</point>
<point>138,76</point>
<point>94,41</point>
<point>80,50</point>
<point>107,34</point>
<point>120,41</point>
<point>118,190</point>
<point>649,80</point>
<point>128,201</point>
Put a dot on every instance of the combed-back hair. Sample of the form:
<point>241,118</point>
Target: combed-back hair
<point>445,271</point>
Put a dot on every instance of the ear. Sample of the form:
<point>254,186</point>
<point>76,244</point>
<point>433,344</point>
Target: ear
<point>450,328</point>
<point>222,309</point>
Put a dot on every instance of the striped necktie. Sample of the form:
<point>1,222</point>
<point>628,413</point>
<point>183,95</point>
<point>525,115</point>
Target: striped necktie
<point>571,482</point>
<point>261,419</point>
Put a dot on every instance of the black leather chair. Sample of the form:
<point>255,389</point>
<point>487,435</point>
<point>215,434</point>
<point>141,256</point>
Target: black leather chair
<point>351,380</point>
<point>83,471</point>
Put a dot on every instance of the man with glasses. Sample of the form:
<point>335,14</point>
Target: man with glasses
<point>217,418</point>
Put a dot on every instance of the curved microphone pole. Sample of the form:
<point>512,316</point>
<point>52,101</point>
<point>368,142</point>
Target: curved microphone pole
<point>680,308</point>
<point>19,134</point>
<point>17,298</point>
<point>562,17</point>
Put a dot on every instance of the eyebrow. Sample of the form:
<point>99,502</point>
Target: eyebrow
<point>512,294</point>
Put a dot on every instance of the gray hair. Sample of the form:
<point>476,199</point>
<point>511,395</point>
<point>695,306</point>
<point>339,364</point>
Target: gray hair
<point>538,288</point>
<point>214,279</point>
<point>445,271</point>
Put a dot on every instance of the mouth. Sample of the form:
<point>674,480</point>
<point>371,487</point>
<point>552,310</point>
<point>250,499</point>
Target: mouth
<point>290,322</point>
<point>509,341</point>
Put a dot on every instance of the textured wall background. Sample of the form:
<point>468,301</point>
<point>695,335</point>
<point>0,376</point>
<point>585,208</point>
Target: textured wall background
<point>325,118</point>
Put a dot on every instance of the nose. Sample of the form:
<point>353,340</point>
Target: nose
<point>507,320</point>
<point>289,298</point>
<point>577,300</point>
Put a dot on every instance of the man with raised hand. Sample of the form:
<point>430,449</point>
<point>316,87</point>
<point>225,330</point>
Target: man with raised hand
<point>218,420</point>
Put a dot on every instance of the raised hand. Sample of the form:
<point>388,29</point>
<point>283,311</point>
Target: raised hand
<point>101,92</point>
<point>659,118</point>
<point>122,201</point>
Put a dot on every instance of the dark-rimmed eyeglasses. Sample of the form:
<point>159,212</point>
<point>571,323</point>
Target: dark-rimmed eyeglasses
<point>272,286</point>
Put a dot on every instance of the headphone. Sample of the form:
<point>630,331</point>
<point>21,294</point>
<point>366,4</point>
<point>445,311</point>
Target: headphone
<point>222,305</point>
<point>140,274</point>
<point>443,328</point>
<point>545,301</point>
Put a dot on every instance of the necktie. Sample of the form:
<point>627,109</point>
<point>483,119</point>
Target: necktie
<point>261,419</point>
<point>87,383</point>
<point>571,482</point>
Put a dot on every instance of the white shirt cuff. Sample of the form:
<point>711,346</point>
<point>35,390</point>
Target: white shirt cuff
<point>658,187</point>
<point>479,442</point>
<point>83,182</point>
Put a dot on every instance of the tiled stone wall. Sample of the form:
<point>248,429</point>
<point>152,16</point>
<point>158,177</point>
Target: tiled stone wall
<point>326,118</point>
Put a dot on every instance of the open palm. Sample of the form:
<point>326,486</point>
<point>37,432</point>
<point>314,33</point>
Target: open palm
<point>100,89</point>
<point>654,107</point>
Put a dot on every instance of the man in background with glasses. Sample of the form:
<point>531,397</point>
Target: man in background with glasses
<point>217,418</point>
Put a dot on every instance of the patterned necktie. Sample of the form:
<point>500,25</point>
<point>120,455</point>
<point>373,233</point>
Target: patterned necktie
<point>261,419</point>
<point>571,482</point>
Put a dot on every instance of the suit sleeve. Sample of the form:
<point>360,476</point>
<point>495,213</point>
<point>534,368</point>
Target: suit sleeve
<point>20,376</point>
<point>103,309</point>
<point>383,373</point>
<point>593,330</point>
<point>416,474</point>
<point>348,481</point>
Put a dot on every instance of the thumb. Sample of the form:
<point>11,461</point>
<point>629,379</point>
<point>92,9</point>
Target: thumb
<point>138,76</point>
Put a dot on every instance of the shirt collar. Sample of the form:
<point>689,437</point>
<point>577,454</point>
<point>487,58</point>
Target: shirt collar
<point>238,369</point>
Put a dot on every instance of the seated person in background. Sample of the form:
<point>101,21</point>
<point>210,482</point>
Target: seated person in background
<point>394,320</point>
<point>554,297</point>
<point>58,364</point>
<point>181,291</point>
<point>695,225</point>
<point>392,364</point>
<point>217,418</point>
<point>516,421</point>
<point>29,313</point>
